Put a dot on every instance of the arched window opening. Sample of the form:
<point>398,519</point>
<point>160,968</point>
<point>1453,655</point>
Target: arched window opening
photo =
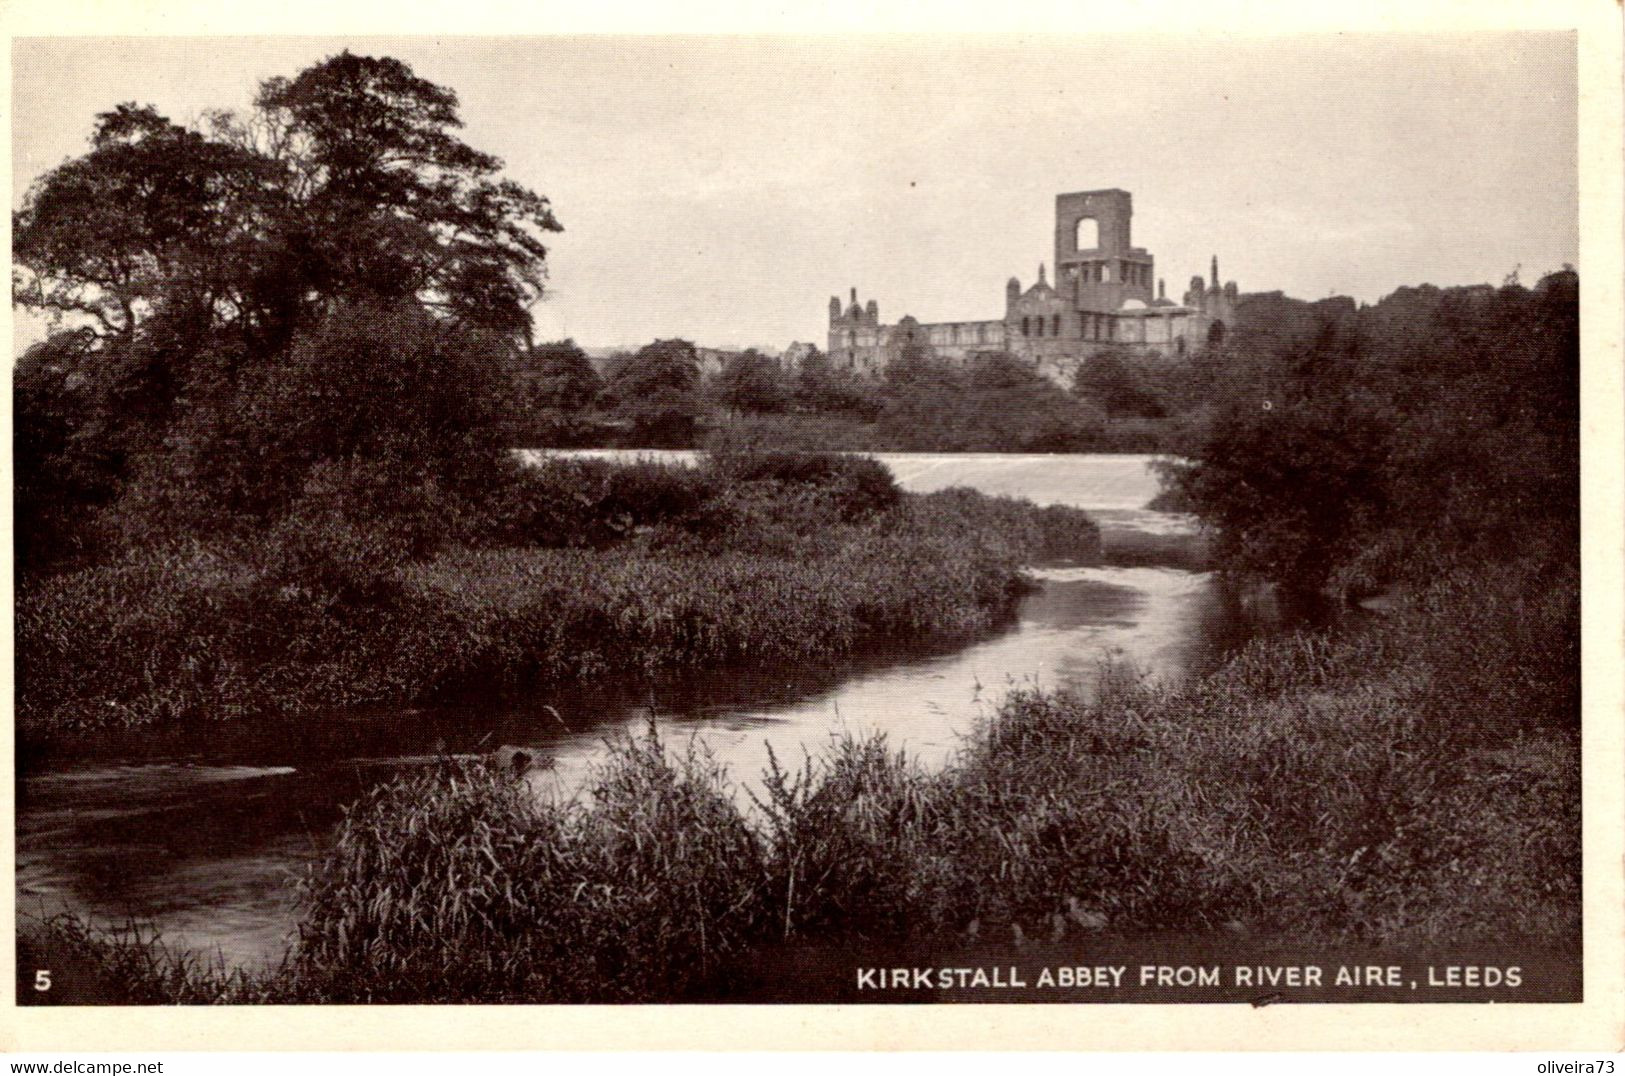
<point>1088,234</point>
<point>1026,329</point>
<point>1215,333</point>
<point>1055,325</point>
<point>1106,273</point>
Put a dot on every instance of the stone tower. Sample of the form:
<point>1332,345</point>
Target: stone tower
<point>1097,268</point>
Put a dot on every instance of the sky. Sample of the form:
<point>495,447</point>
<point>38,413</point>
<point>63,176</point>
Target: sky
<point>721,189</point>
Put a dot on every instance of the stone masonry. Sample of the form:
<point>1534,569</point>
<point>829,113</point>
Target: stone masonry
<point>1103,297</point>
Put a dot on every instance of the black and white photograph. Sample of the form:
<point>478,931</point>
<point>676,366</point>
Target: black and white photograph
<point>1080,519</point>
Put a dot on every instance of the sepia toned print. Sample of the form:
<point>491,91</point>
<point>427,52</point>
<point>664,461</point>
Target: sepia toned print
<point>478,540</point>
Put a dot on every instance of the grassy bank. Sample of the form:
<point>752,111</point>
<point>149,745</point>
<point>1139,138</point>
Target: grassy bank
<point>574,569</point>
<point>1389,785</point>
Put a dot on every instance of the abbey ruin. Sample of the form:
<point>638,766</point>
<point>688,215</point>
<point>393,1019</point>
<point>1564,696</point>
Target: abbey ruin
<point>1102,298</point>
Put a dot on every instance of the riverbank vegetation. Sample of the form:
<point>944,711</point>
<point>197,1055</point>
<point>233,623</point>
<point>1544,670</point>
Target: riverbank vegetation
<point>565,570</point>
<point>281,479</point>
<point>1416,781</point>
<point>1319,788</point>
<point>1356,448</point>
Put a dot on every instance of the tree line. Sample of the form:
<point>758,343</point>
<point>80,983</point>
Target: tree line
<point>1116,401</point>
<point>1358,446</point>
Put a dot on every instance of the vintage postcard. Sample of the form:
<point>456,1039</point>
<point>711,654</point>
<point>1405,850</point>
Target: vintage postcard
<point>955,536</point>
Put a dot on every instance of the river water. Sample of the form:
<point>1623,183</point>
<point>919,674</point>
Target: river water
<point>206,839</point>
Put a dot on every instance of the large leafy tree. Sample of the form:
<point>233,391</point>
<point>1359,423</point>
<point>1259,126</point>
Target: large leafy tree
<point>1289,474</point>
<point>560,377</point>
<point>61,466</point>
<point>1013,407</point>
<point>195,267</point>
<point>153,218</point>
<point>345,183</point>
<point>657,389</point>
<point>392,202</point>
<point>821,386</point>
<point>1120,384</point>
<point>750,381</point>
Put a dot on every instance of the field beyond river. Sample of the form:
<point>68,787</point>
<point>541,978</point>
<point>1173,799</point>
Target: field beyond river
<point>1093,760</point>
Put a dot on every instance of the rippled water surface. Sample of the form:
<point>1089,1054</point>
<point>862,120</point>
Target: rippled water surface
<point>206,841</point>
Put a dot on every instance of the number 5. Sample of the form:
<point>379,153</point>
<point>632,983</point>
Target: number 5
<point>42,980</point>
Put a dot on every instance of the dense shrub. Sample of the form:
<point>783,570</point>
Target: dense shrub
<point>995,403</point>
<point>558,377</point>
<point>366,590</point>
<point>559,503</point>
<point>1354,449</point>
<point>822,388</point>
<point>352,528</point>
<point>376,382</point>
<point>1054,532</point>
<point>857,486</point>
<point>759,500</point>
<point>66,467</point>
<point>1121,383</point>
<point>657,390</point>
<point>751,382</point>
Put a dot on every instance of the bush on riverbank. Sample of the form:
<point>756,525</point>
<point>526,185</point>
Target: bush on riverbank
<point>1051,533</point>
<point>752,560</point>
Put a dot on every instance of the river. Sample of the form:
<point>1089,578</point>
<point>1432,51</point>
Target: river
<point>205,839</point>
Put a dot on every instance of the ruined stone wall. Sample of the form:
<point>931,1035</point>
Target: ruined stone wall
<point>1103,298</point>
<point>962,340</point>
<point>856,337</point>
